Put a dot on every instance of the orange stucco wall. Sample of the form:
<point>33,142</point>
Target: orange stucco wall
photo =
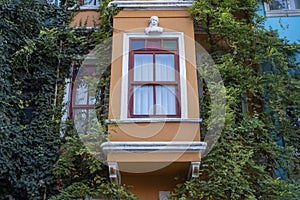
<point>147,185</point>
<point>137,21</point>
<point>87,18</point>
<point>154,157</point>
<point>168,131</point>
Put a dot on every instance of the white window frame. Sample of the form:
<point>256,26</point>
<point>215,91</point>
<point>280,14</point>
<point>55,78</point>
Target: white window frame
<point>54,2</point>
<point>182,71</point>
<point>91,7</point>
<point>290,11</point>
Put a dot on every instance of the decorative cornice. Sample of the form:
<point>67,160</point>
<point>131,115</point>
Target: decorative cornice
<point>153,120</point>
<point>152,4</point>
<point>153,146</point>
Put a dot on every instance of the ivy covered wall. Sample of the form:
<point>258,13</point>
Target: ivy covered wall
<point>37,50</point>
<point>254,63</point>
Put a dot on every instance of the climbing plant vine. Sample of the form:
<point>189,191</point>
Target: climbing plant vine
<point>37,51</point>
<point>259,140</point>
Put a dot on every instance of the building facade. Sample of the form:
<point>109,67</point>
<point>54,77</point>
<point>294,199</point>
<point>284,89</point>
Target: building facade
<point>284,17</point>
<point>153,119</point>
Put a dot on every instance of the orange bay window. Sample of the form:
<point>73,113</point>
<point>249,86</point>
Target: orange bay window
<point>154,89</point>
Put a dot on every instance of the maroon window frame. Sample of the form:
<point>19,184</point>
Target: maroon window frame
<point>153,50</point>
<point>79,77</point>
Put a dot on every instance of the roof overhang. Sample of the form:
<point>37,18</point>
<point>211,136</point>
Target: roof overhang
<point>171,4</point>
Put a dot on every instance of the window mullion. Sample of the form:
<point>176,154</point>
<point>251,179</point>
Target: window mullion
<point>154,85</point>
<point>88,94</point>
<point>154,99</point>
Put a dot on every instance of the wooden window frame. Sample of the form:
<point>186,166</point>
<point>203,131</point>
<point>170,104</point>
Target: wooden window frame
<point>89,70</point>
<point>154,83</point>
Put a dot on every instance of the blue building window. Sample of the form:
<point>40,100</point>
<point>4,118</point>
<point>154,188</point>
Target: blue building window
<point>284,4</point>
<point>278,8</point>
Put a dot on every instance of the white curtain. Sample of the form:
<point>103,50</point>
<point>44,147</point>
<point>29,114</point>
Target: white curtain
<point>143,67</point>
<point>164,67</point>
<point>143,100</point>
<point>165,100</point>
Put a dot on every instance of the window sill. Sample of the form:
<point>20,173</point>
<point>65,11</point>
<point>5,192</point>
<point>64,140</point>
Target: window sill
<point>89,7</point>
<point>84,8</point>
<point>282,13</point>
<point>153,120</point>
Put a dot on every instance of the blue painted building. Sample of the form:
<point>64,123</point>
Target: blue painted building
<point>284,16</point>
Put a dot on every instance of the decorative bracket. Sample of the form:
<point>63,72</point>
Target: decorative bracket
<point>194,170</point>
<point>114,172</point>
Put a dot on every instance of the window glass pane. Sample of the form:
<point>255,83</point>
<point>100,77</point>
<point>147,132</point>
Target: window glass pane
<point>143,100</point>
<point>92,90</point>
<point>81,93</point>
<point>92,99</point>
<point>154,44</point>
<point>143,67</point>
<point>297,4</point>
<point>92,119</point>
<point>90,2</point>
<point>170,44</point>
<point>55,2</point>
<point>80,120</point>
<point>278,5</point>
<point>165,68</point>
<point>137,44</point>
<point>165,100</point>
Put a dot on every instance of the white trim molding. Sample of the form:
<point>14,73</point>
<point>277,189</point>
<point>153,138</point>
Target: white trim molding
<point>153,146</point>
<point>158,4</point>
<point>153,120</point>
<point>182,70</point>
